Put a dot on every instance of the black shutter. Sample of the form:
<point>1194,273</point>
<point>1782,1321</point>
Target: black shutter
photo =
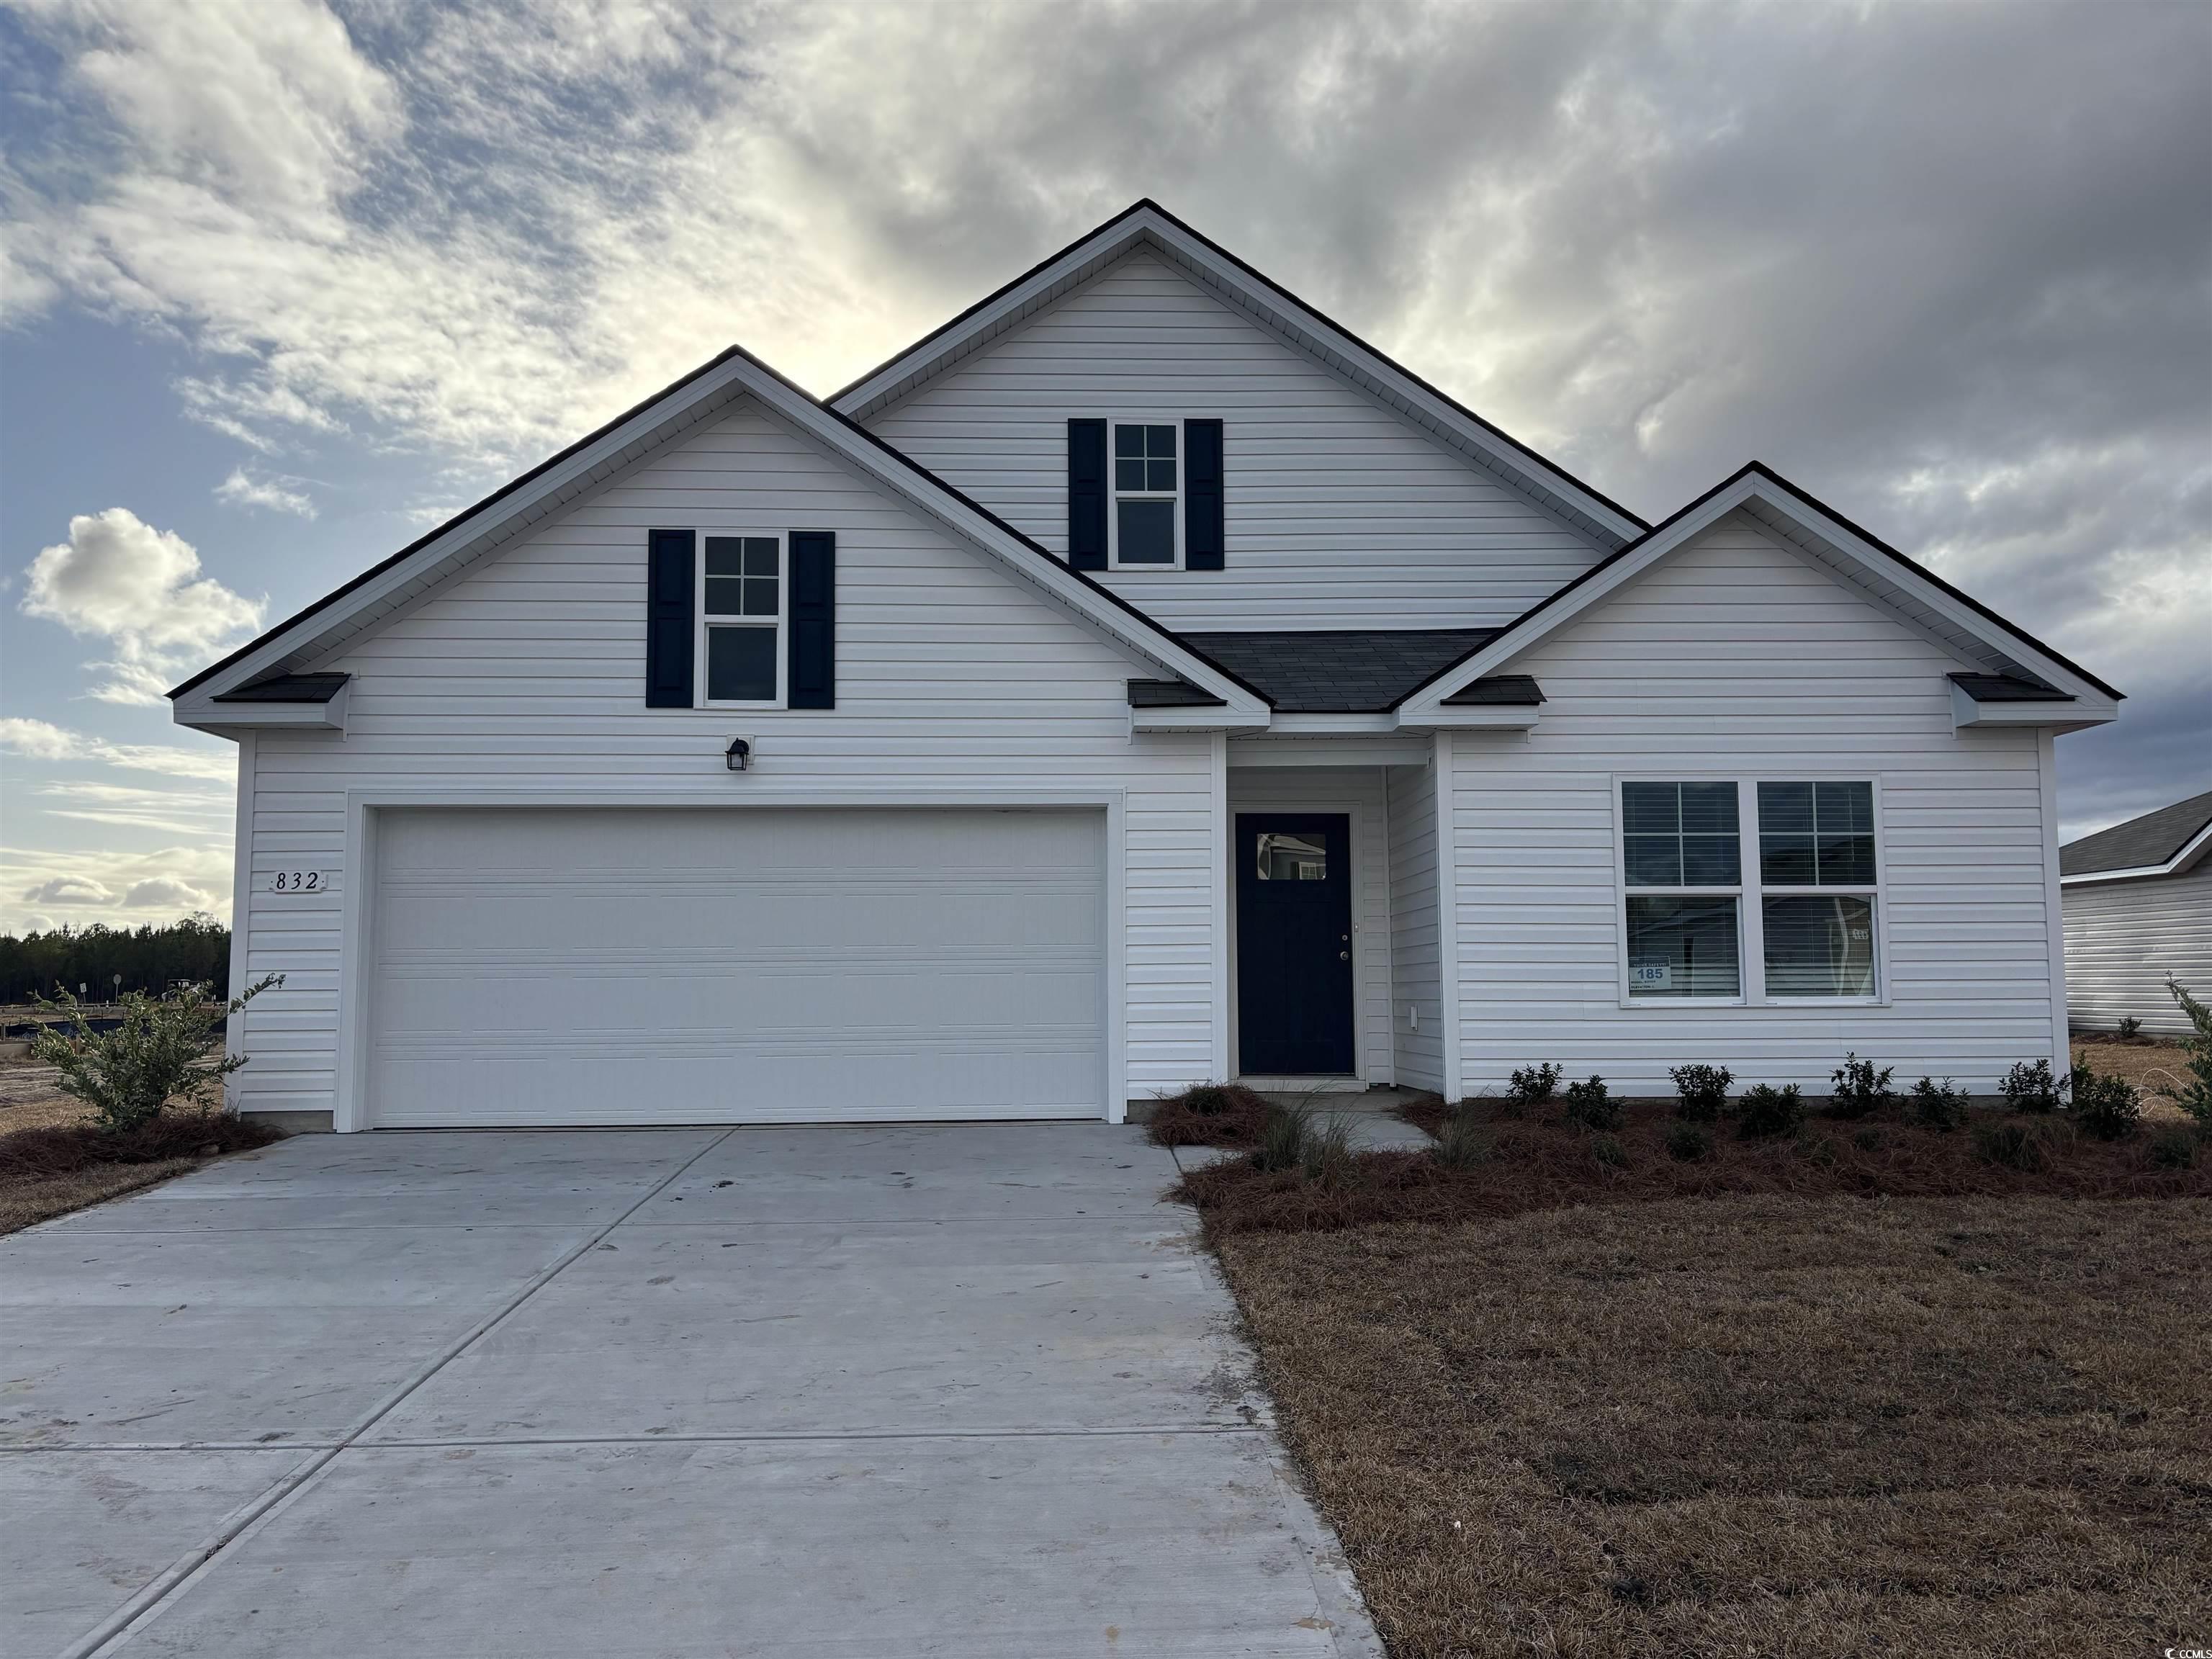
<point>1086,495</point>
<point>670,591</point>
<point>1205,540</point>
<point>812,671</point>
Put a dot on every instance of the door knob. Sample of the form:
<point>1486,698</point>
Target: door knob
<point>1344,956</point>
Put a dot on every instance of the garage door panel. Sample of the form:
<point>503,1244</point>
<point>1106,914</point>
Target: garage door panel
<point>764,965</point>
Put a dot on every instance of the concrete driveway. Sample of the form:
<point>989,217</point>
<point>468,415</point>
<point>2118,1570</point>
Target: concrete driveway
<point>851,1391</point>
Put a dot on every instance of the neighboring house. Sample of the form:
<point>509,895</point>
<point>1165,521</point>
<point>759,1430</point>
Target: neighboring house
<point>1143,681</point>
<point>2138,900</point>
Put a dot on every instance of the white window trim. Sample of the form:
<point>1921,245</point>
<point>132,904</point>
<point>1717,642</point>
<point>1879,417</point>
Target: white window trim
<point>1751,937</point>
<point>701,622</point>
<point>1115,497</point>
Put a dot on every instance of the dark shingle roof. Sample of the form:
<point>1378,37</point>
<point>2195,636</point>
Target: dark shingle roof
<point>2140,843</point>
<point>1171,693</point>
<point>289,688</point>
<point>2008,688</point>
<point>1494,690</point>
<point>1339,672</point>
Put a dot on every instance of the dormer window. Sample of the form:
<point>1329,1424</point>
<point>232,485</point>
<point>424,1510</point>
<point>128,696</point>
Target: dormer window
<point>1148,517</point>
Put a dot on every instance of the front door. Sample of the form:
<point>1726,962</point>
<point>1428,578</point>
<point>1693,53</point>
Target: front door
<point>1294,944</point>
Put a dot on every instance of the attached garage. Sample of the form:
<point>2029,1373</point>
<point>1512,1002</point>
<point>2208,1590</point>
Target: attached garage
<point>586,966</point>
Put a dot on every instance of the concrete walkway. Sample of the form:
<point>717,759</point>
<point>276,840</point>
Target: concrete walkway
<point>897,1391</point>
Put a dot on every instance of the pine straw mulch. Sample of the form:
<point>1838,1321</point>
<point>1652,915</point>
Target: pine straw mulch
<point>1537,1162</point>
<point>1753,1425</point>
<point>52,1168</point>
<point>1210,1114</point>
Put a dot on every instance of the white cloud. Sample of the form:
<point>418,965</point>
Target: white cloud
<point>240,489</point>
<point>43,740</point>
<point>68,889</point>
<point>166,893</point>
<point>140,588</point>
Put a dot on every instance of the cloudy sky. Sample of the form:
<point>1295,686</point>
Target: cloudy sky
<point>285,281</point>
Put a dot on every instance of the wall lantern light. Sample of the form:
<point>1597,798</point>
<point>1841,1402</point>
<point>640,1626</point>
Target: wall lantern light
<point>739,755</point>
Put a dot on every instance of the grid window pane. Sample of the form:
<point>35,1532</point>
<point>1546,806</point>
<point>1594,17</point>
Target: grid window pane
<point>1653,861</point>
<point>726,556</point>
<point>1683,947</point>
<point>1816,835</point>
<point>760,596</point>
<point>1129,440</point>
<point>1160,442</point>
<point>726,596</point>
<point>760,555</point>
<point>1818,946</point>
<point>741,665</point>
<point>1146,532</point>
<point>1680,835</point>
<point>1128,475</point>
<point>1160,475</point>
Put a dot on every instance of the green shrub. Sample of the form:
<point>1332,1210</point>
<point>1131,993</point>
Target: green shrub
<point>1688,1143</point>
<point>164,1050</point>
<point>2030,1087</point>
<point>1938,1106</point>
<point>1591,1106</point>
<point>1860,1090</point>
<point>1462,1141</point>
<point>1608,1150</point>
<point>2131,1028</point>
<point>1533,1085</point>
<point>2196,1096</point>
<point>1764,1109</point>
<point>2174,1147</point>
<point>2105,1105</point>
<point>1701,1091</point>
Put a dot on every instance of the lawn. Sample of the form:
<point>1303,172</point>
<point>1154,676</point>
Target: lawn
<point>1758,1423</point>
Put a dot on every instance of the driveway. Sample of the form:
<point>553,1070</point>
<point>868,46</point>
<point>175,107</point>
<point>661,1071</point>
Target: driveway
<point>854,1391</point>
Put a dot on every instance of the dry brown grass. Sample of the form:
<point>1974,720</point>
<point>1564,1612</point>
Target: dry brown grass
<point>1759,1425</point>
<point>2159,1069</point>
<point>1208,1115</point>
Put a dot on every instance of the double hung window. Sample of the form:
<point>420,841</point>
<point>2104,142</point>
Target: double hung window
<point>741,621</point>
<point>1794,919</point>
<point>1147,520</point>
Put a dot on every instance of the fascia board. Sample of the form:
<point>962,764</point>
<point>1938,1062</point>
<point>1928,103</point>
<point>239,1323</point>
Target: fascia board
<point>1200,720</point>
<point>1968,711</point>
<point>1425,705</point>
<point>203,713</point>
<point>1040,570</point>
<point>2191,850</point>
<point>391,588</point>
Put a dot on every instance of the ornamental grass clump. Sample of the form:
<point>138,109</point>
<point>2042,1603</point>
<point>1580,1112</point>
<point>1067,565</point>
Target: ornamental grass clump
<point>164,1050</point>
<point>1591,1106</point>
<point>1766,1110</point>
<point>1860,1090</point>
<point>1462,1141</point>
<point>2024,1144</point>
<point>1701,1091</point>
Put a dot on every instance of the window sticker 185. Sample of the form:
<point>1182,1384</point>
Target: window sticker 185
<point>297,881</point>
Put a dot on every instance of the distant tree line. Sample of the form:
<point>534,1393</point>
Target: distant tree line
<point>149,958</point>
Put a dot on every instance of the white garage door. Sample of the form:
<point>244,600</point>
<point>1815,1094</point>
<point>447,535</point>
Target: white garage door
<point>758,965</point>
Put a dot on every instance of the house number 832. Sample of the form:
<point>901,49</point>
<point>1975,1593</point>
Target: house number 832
<point>296,881</point>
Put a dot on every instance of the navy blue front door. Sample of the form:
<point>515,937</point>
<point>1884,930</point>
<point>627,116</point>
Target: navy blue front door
<point>1293,944</point>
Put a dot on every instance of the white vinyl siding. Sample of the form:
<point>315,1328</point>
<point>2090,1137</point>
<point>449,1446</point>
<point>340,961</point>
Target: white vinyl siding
<point>528,672</point>
<point>1736,658</point>
<point>1417,1013</point>
<point>2124,938</point>
<point>1358,792</point>
<point>1339,513</point>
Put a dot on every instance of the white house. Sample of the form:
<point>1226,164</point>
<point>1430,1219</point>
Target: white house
<point>2138,900</point>
<point>1140,680</point>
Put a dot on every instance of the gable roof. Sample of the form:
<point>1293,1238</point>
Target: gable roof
<point>1959,622</point>
<point>586,464</point>
<point>2160,843</point>
<point>1345,671</point>
<point>1146,223</point>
